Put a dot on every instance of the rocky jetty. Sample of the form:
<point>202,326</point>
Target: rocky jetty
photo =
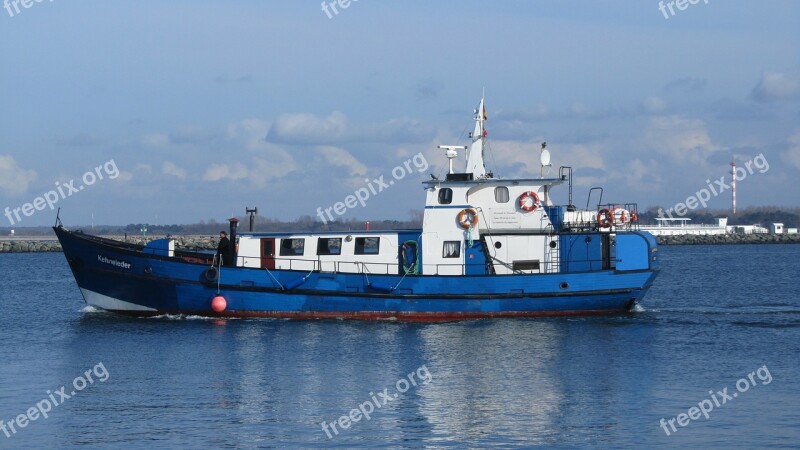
<point>42,245</point>
<point>729,239</point>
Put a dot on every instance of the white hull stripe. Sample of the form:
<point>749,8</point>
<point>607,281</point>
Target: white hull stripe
<point>103,301</point>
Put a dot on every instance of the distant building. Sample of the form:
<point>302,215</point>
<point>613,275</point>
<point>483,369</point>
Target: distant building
<point>668,226</point>
<point>776,228</point>
<point>791,231</point>
<point>748,229</point>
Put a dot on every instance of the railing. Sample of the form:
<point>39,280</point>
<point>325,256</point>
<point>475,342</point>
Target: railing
<point>607,218</point>
<point>380,268</point>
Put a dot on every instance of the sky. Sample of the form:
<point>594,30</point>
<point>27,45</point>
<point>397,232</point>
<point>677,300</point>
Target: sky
<point>185,111</point>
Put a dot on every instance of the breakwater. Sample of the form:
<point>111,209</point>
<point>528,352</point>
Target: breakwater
<point>729,239</point>
<point>209,243</point>
<point>22,245</point>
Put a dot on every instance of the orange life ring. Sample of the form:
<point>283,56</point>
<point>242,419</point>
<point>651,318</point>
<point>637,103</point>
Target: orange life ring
<point>623,216</point>
<point>523,201</point>
<point>468,218</point>
<point>604,218</point>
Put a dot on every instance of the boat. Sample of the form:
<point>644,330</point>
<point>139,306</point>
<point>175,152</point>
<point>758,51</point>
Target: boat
<point>488,247</point>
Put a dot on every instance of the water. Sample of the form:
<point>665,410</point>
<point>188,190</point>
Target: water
<point>715,315</point>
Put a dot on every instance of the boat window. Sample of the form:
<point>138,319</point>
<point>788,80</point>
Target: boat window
<point>329,246</point>
<point>293,247</point>
<point>451,249</point>
<point>445,196</point>
<point>501,194</point>
<point>367,245</point>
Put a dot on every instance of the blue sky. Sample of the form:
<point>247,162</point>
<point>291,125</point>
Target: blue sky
<point>207,107</point>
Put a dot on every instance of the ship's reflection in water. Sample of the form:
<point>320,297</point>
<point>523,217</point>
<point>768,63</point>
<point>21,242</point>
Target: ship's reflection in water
<point>492,379</point>
<point>517,381</point>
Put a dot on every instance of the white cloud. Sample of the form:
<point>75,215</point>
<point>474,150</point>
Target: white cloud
<point>653,105</point>
<point>308,129</point>
<point>155,139</point>
<point>792,155</point>
<point>679,137</point>
<point>303,128</point>
<point>142,167</point>
<point>776,86</point>
<point>340,157</point>
<point>169,168</point>
<point>14,180</point>
<point>231,172</point>
<point>124,177</point>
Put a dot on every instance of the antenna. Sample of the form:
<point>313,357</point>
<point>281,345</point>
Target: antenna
<point>733,185</point>
<point>451,153</point>
<point>544,159</point>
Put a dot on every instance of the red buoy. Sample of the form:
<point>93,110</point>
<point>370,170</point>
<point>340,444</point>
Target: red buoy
<point>218,304</point>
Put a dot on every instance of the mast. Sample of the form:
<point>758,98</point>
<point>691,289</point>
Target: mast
<point>733,185</point>
<point>475,153</point>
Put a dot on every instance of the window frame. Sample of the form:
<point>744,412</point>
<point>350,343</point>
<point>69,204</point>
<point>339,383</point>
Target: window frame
<point>444,249</point>
<point>327,240</point>
<point>448,196</point>
<point>284,249</point>
<point>501,189</point>
<point>360,245</point>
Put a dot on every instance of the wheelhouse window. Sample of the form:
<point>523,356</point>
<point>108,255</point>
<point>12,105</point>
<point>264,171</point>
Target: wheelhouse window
<point>367,245</point>
<point>329,246</point>
<point>501,194</point>
<point>293,247</point>
<point>445,196</point>
<point>451,249</point>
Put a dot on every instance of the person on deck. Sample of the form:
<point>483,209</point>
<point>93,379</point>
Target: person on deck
<point>223,249</point>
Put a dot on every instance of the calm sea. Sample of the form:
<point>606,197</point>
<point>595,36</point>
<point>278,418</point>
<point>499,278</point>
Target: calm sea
<point>719,330</point>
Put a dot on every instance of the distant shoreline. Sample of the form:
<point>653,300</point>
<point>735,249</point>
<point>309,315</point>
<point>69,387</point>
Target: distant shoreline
<point>46,244</point>
<point>728,239</point>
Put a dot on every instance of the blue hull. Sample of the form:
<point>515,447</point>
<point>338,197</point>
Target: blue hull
<point>124,279</point>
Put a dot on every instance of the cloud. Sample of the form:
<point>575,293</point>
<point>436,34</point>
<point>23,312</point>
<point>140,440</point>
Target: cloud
<point>340,157</point>
<point>270,161</point>
<point>792,155</point>
<point>169,168</point>
<point>776,86</point>
<point>230,172</point>
<point>14,180</point>
<point>309,129</point>
<point>653,105</point>
<point>679,137</point>
<point>155,139</point>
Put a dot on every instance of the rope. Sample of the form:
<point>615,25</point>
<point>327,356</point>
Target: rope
<point>273,278</point>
